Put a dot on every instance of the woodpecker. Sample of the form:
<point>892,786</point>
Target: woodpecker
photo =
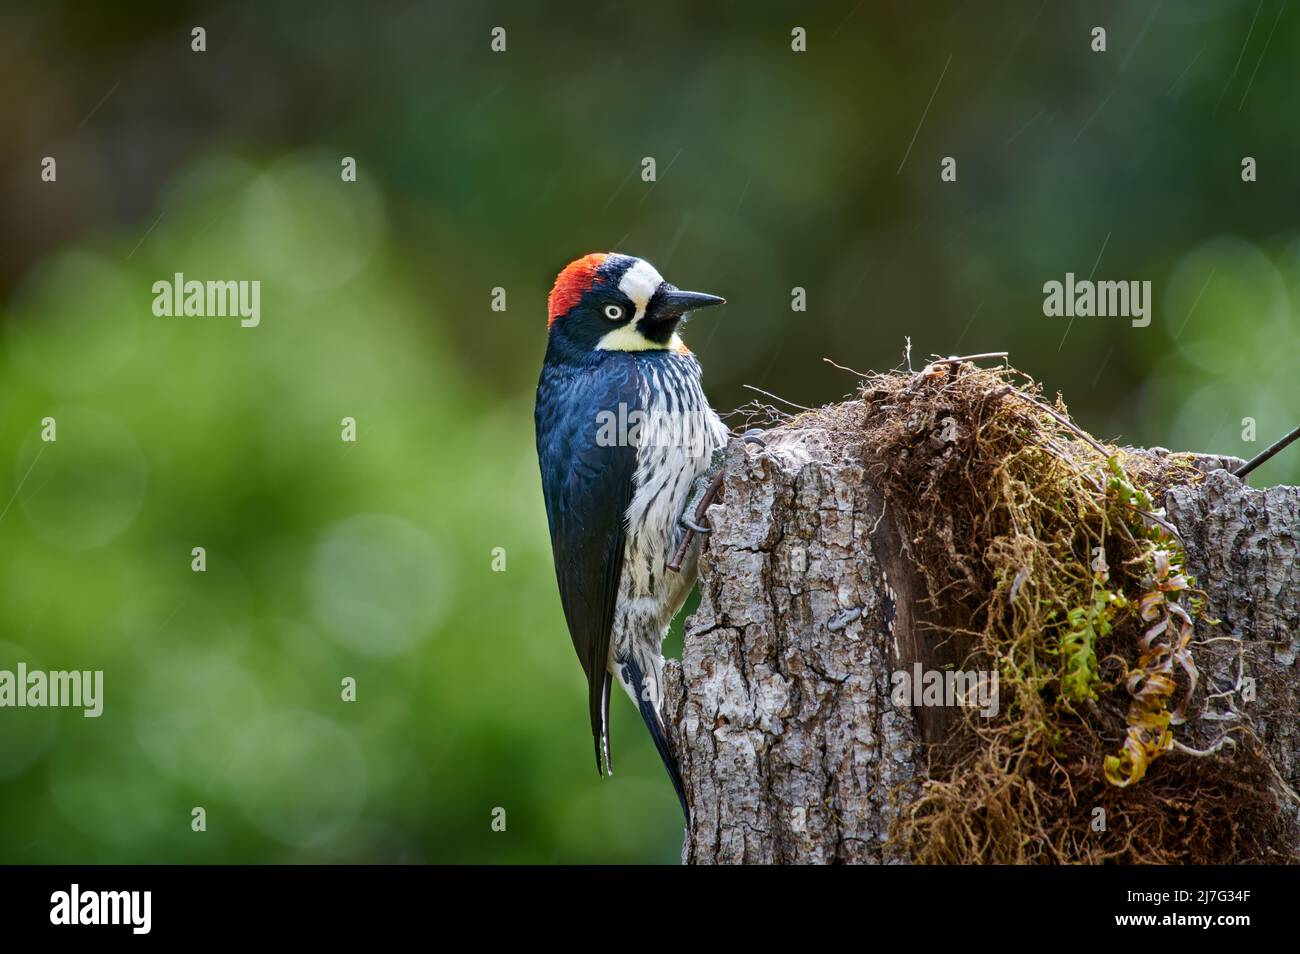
<point>626,440</point>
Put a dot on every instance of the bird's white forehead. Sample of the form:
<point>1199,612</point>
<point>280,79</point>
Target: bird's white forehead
<point>639,283</point>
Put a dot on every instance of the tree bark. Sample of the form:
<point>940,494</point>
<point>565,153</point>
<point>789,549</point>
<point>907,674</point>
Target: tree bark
<point>790,746</point>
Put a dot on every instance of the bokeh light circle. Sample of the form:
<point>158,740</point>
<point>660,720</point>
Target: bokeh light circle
<point>378,584</point>
<point>75,322</point>
<point>298,777</point>
<point>83,489</point>
<point>1227,307</point>
<point>306,228</point>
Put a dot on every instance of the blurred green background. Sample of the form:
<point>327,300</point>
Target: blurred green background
<point>476,169</point>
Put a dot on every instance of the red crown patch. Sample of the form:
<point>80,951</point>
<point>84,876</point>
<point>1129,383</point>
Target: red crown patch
<point>572,283</point>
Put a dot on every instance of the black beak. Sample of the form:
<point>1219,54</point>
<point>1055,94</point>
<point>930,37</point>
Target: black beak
<point>673,302</point>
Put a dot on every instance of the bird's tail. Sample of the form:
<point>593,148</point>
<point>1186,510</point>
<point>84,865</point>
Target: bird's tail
<point>600,725</point>
<point>663,745</point>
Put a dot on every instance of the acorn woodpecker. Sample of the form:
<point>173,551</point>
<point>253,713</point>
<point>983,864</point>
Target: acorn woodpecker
<point>626,441</point>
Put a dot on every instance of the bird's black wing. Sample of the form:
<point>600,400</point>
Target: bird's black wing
<point>588,467</point>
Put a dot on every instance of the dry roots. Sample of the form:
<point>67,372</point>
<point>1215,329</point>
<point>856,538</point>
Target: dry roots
<point>1046,559</point>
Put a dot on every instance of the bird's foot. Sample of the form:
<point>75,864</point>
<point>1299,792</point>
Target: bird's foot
<point>690,524</point>
<point>707,485</point>
<point>703,492</point>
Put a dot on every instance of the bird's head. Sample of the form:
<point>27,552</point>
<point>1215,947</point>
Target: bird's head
<point>611,302</point>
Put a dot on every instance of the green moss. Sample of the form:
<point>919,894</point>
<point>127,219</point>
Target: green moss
<point>1046,557</point>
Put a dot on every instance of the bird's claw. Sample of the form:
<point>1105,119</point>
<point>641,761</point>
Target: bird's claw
<point>690,524</point>
<point>751,436</point>
<point>705,489</point>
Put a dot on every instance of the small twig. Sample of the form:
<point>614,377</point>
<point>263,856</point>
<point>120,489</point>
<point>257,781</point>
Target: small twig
<point>1202,753</point>
<point>1268,452</point>
<point>843,368</point>
<point>960,359</point>
<point>883,505</point>
<point>776,397</point>
<point>1074,428</point>
<point>756,410</point>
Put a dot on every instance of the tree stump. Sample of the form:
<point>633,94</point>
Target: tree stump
<point>790,746</point>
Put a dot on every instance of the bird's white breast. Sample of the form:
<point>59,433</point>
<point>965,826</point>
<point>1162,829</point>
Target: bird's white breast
<point>679,434</point>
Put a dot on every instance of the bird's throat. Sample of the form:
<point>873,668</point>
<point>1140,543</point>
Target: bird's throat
<point>630,338</point>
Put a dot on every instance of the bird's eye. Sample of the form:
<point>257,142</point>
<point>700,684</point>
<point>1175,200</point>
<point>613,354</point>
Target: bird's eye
<point>614,312</point>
